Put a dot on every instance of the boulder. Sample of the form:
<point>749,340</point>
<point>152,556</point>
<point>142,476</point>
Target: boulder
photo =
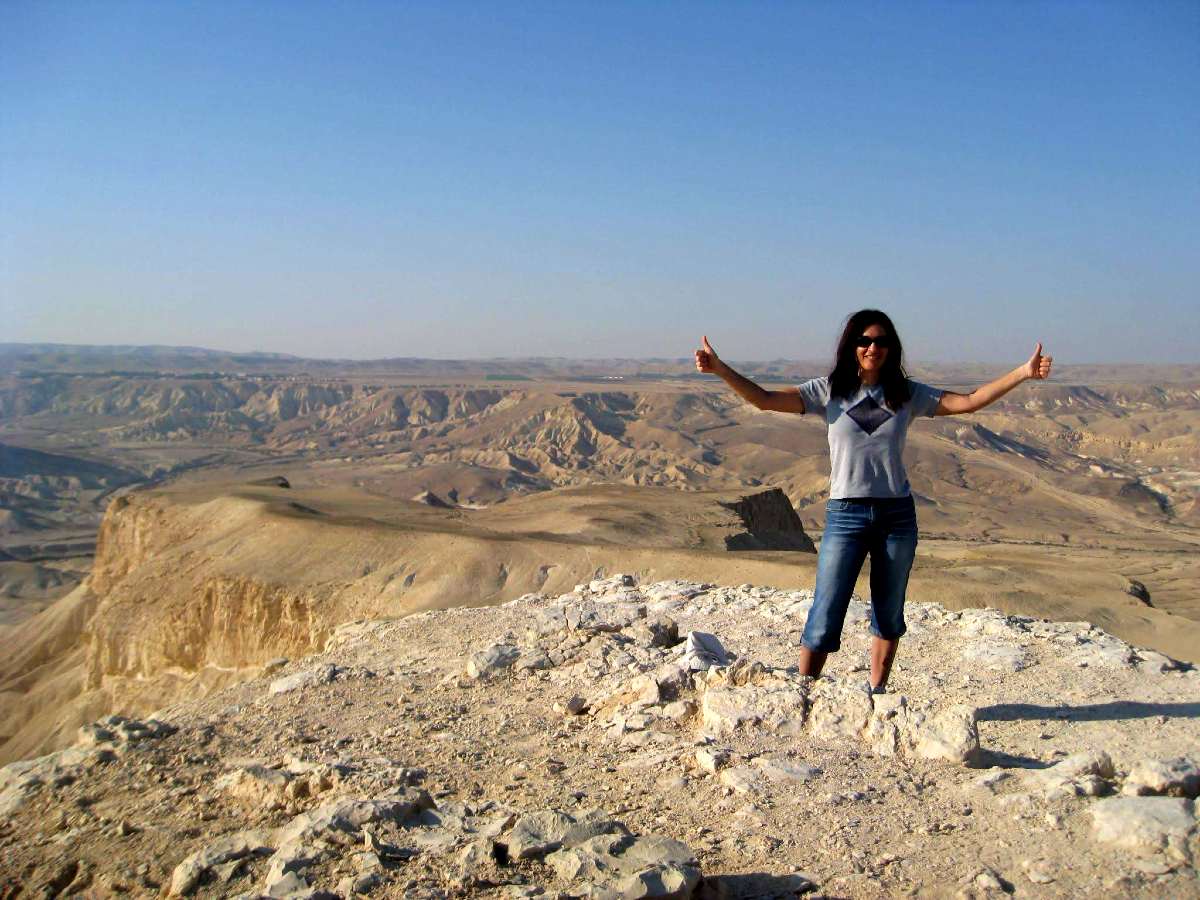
<point>780,707</point>
<point>188,874</point>
<point>624,865</point>
<point>1098,648</point>
<point>646,689</point>
<point>659,631</point>
<point>1145,826</point>
<point>317,675</point>
<point>742,779</point>
<point>1092,762</point>
<point>22,779</point>
<point>1153,661</point>
<point>712,760</point>
<point>598,617</point>
<point>491,661</point>
<point>475,863</point>
<point>883,736</point>
<point>1082,774</point>
<point>348,815</point>
<point>256,786</point>
<point>950,735</point>
<point>536,834</point>
<point>283,872</point>
<point>533,660</point>
<point>678,710</point>
<point>768,522</point>
<point>1138,591</point>
<point>1178,777</point>
<point>840,710</point>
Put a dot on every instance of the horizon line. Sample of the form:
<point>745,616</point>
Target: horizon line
<point>292,357</point>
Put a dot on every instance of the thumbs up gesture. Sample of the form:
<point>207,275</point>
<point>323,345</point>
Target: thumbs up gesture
<point>706,357</point>
<point>1038,366</point>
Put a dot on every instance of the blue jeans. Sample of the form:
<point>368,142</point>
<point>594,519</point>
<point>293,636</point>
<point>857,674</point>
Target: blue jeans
<point>885,528</point>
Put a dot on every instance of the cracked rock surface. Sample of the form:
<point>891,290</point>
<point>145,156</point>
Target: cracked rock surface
<point>574,746</point>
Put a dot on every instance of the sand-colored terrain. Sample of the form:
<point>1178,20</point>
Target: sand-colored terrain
<point>1073,499</point>
<point>168,538</point>
<point>197,587</point>
<point>573,746</point>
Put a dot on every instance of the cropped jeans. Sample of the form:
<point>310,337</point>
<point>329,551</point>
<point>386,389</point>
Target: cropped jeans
<point>885,529</point>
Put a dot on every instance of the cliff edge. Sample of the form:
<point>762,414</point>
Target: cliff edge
<point>195,589</point>
<point>638,739</point>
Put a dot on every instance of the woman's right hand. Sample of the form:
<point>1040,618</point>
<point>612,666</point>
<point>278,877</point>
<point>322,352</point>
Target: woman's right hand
<point>706,358</point>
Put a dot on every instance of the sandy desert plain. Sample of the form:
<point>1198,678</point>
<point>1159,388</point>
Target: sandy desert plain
<point>174,522</point>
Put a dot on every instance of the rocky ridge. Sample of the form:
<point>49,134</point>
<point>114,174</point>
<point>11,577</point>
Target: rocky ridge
<point>628,740</point>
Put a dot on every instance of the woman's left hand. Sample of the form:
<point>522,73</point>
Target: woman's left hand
<point>1038,366</point>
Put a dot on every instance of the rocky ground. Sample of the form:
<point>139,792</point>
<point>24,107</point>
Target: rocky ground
<point>583,745</point>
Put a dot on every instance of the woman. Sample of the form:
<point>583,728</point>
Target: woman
<point>867,402</point>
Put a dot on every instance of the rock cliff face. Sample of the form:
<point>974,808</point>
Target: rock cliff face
<point>629,739</point>
<point>771,524</point>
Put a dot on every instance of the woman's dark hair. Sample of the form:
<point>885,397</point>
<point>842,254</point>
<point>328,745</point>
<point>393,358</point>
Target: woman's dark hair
<point>844,380</point>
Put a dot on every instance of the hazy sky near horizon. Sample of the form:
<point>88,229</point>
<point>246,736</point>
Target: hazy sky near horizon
<point>602,179</point>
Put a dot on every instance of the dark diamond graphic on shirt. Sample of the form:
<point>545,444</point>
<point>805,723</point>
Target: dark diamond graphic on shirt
<point>868,414</point>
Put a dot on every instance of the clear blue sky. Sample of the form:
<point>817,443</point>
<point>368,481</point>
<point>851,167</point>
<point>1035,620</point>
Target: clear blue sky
<point>602,179</point>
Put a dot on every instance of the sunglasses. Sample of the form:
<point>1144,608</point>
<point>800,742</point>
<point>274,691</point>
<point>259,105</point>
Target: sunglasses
<point>883,341</point>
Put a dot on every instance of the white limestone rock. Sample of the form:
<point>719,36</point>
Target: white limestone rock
<point>1039,871</point>
<point>989,781</point>
<point>780,769</point>
<point>646,689</point>
<point>596,617</point>
<point>950,735</point>
<point>535,834</point>
<point>256,786</point>
<point>887,706</point>
<point>1178,777</point>
<point>624,865</point>
<point>677,710</point>
<point>1153,661</point>
<point>1145,826</point>
<point>883,737</point>
<point>491,661</point>
<point>1098,648</point>
<point>712,760</point>
<point>188,875</point>
<point>992,623</point>
<point>348,815</point>
<point>317,675</point>
<point>997,655</point>
<point>742,779</point>
<point>21,780</point>
<point>840,710</point>
<point>283,878</point>
<point>778,707</point>
<point>1082,774</point>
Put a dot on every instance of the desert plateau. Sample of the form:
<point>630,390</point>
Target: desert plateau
<point>277,626</point>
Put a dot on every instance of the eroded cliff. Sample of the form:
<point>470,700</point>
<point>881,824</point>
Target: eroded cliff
<point>197,589</point>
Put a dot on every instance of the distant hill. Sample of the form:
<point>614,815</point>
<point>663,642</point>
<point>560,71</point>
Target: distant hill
<point>155,359</point>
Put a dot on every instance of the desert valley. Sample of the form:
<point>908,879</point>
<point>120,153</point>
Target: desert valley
<point>180,529</point>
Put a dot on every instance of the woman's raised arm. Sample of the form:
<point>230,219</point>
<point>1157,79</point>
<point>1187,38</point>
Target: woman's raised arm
<point>1038,367</point>
<point>788,400</point>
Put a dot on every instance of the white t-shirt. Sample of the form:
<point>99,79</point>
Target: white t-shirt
<point>866,439</point>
